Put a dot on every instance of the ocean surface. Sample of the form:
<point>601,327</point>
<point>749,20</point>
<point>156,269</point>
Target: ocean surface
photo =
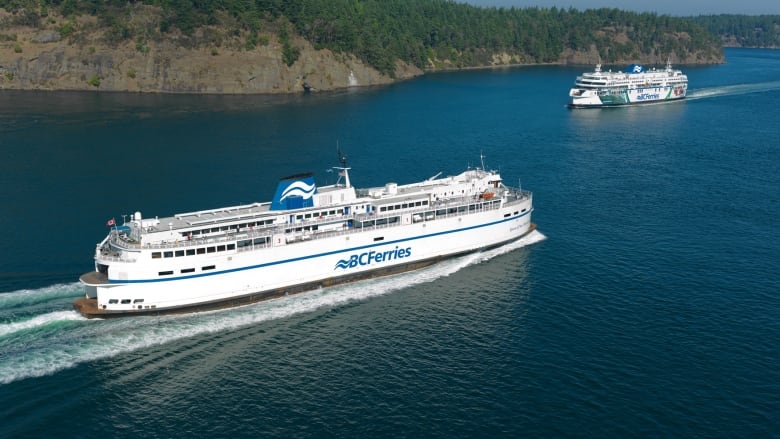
<point>646,304</point>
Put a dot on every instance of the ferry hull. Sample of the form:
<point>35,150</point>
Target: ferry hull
<point>89,308</point>
<point>253,276</point>
<point>592,99</point>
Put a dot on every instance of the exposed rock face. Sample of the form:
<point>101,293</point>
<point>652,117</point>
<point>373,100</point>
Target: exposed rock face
<point>45,63</point>
<point>42,59</point>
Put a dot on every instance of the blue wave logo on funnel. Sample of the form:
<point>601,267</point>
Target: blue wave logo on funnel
<point>294,192</point>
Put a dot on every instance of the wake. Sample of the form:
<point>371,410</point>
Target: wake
<point>44,343</point>
<point>733,90</point>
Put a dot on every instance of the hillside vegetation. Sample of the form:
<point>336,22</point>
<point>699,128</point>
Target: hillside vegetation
<point>393,38</point>
<point>743,30</point>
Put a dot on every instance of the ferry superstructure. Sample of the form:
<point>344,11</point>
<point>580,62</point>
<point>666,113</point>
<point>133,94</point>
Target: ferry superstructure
<point>307,237</point>
<point>635,85</point>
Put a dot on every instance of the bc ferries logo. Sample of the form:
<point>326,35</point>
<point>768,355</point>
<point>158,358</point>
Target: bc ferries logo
<point>298,189</point>
<point>371,257</point>
<point>294,192</point>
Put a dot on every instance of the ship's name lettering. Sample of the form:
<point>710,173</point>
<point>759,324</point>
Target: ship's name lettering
<point>646,96</point>
<point>369,257</point>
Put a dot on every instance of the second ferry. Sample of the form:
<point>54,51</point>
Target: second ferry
<point>307,237</point>
<point>635,85</point>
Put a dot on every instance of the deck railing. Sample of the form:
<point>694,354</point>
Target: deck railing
<point>449,206</point>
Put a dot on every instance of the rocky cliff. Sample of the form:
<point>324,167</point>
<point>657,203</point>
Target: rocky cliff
<point>76,54</point>
<point>42,59</point>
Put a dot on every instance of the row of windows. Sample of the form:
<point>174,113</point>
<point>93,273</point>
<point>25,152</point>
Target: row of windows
<point>324,213</point>
<point>124,301</point>
<point>193,251</point>
<point>186,270</point>
<point>403,206</point>
<point>233,228</point>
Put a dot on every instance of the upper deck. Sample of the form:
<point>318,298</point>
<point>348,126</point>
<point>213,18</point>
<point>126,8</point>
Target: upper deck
<point>429,199</point>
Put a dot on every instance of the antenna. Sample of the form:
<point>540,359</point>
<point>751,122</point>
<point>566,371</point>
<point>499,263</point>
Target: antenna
<point>343,169</point>
<point>341,157</point>
<point>482,160</point>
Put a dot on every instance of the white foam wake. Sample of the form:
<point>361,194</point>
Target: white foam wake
<point>39,321</point>
<point>732,90</point>
<point>42,345</point>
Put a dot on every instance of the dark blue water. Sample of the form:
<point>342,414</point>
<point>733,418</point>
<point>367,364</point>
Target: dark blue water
<point>646,306</point>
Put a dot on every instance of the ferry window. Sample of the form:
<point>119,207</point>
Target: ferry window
<point>383,209</point>
<point>201,250</point>
<point>231,246</point>
<point>196,232</point>
<point>261,241</point>
<point>138,301</point>
<point>379,238</point>
<point>214,229</point>
<point>341,211</point>
<point>125,301</point>
<point>244,243</point>
<point>404,206</point>
<point>332,212</point>
<point>211,249</point>
<point>156,255</point>
<point>187,270</point>
<point>506,215</point>
<point>113,301</point>
<point>524,210</point>
<point>208,267</point>
<point>168,254</point>
<point>220,248</point>
<point>299,217</point>
<point>393,220</point>
<point>425,202</point>
<point>381,222</point>
<point>516,212</point>
<point>307,216</point>
<point>190,252</point>
<point>179,253</point>
<point>165,273</point>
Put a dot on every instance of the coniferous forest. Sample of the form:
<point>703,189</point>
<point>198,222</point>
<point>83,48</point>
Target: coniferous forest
<point>381,32</point>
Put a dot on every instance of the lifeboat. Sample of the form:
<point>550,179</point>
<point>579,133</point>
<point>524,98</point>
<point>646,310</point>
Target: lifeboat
<point>486,195</point>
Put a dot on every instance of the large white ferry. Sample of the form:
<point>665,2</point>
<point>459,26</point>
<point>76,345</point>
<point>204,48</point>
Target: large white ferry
<point>308,237</point>
<point>635,85</point>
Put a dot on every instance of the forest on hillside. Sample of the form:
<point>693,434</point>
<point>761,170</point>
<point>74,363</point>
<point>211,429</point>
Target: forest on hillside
<point>380,32</point>
<point>744,30</point>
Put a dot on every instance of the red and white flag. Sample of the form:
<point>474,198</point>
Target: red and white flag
<point>111,222</point>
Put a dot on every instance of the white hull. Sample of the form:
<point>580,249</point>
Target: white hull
<point>151,270</point>
<point>634,86</point>
<point>255,271</point>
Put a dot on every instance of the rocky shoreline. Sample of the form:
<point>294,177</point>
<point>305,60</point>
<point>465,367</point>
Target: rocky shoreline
<point>41,59</point>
